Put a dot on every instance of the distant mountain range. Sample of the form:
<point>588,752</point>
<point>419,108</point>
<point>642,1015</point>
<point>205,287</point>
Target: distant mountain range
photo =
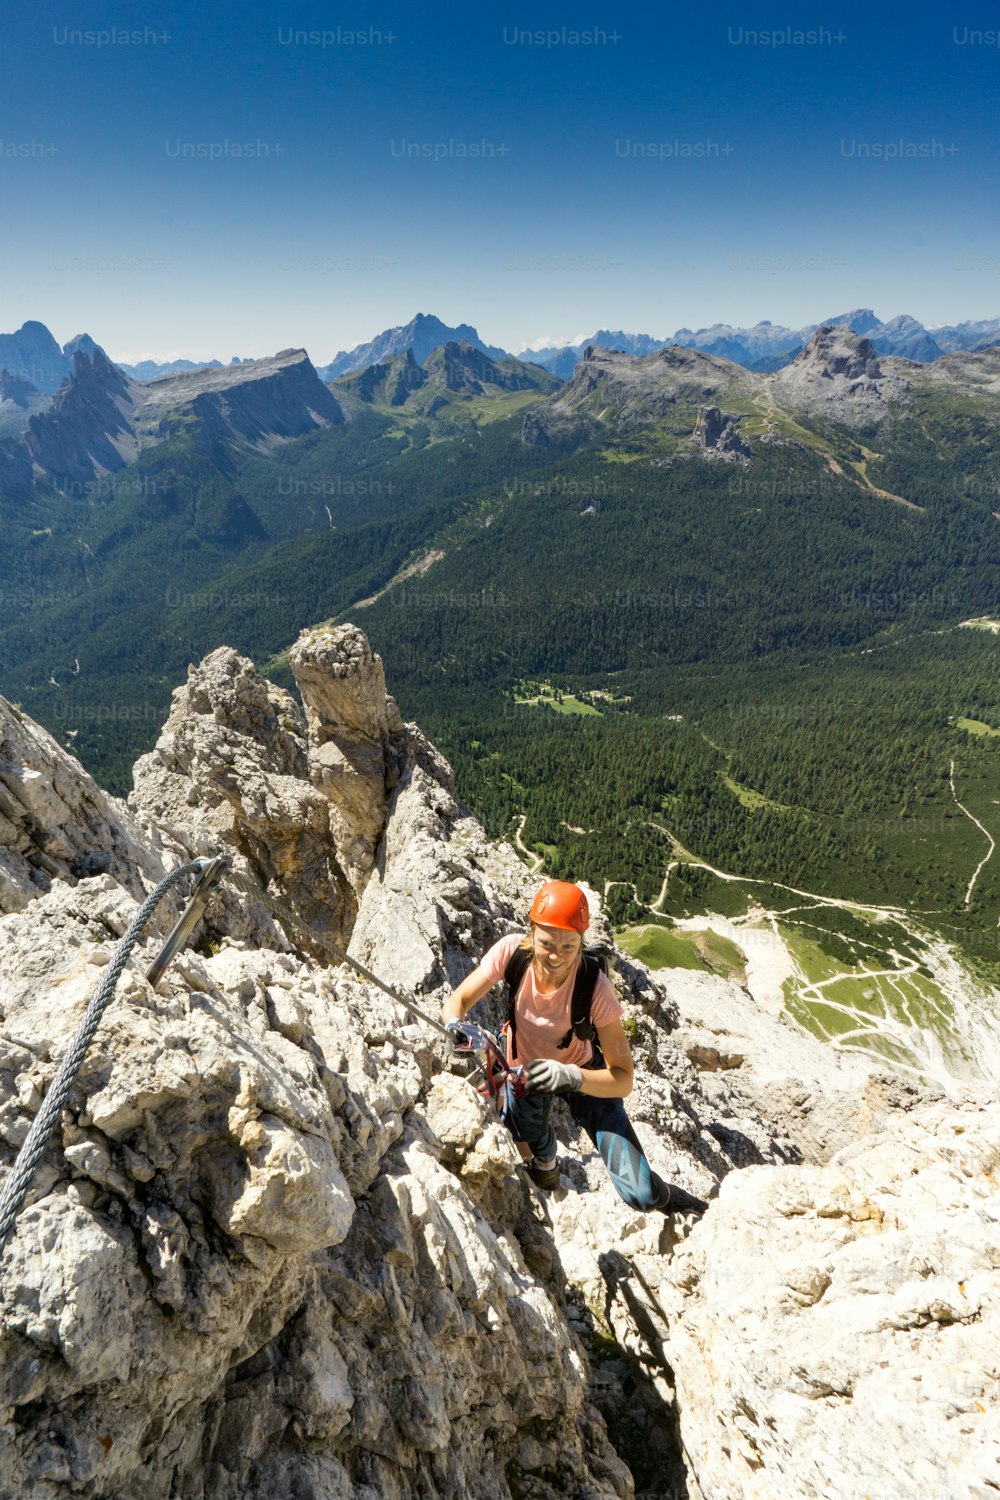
<point>149,369</point>
<point>101,419</point>
<point>421,336</point>
<point>33,355</point>
<point>769,346</point>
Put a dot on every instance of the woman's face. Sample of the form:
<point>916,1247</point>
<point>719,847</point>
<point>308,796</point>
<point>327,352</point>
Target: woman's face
<point>555,950</point>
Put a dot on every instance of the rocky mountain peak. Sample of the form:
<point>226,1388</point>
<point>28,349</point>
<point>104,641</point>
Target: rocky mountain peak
<point>33,353</point>
<point>278,1246</point>
<point>422,335</point>
<point>839,371</point>
<point>82,343</point>
<point>836,350</point>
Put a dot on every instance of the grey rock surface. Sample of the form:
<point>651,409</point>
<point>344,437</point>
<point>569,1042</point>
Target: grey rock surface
<point>840,374</point>
<point>56,823</point>
<point>833,1329</point>
<point>351,759</point>
<point>716,434</point>
<point>279,1246</point>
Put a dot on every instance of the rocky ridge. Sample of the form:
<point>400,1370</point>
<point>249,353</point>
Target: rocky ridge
<point>277,1248</point>
<point>101,419</point>
<point>838,376</point>
<point>420,336</point>
<point>841,374</point>
<point>769,346</point>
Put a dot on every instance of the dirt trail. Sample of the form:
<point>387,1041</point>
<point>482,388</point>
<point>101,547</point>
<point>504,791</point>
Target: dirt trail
<point>986,856</point>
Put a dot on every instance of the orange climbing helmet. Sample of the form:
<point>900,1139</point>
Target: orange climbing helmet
<point>558,903</point>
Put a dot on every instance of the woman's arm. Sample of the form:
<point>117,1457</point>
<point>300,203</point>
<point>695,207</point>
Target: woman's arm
<point>614,1081</point>
<point>473,987</point>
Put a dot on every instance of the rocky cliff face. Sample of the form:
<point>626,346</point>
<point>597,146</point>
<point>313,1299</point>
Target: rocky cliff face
<point>840,373</point>
<point>849,1347</point>
<point>101,418</point>
<point>19,402</point>
<point>256,403</point>
<point>277,1248</point>
<point>717,435</point>
<point>87,430</point>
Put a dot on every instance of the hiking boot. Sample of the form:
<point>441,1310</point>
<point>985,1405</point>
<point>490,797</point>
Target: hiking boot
<point>675,1200</point>
<point>543,1177</point>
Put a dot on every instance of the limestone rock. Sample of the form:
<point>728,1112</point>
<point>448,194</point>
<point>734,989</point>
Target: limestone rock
<point>717,435</point>
<point>244,1269</point>
<point>439,892</point>
<point>230,771</point>
<point>833,1330</point>
<point>55,821</point>
<point>840,375</point>
<point>350,719</point>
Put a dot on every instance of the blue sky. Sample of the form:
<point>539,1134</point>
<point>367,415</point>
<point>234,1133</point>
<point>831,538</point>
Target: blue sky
<point>215,186</point>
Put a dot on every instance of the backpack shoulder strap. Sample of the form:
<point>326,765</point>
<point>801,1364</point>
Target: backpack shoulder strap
<point>515,971</point>
<point>581,1025</point>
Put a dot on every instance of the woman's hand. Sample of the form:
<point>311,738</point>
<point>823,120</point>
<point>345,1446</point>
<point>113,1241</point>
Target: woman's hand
<point>545,1077</point>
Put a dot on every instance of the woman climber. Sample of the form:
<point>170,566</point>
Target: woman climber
<point>551,981</point>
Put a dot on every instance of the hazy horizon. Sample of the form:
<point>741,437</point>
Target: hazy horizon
<point>323,357</point>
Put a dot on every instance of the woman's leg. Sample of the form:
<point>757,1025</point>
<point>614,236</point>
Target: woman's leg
<point>527,1119</point>
<point>610,1129</point>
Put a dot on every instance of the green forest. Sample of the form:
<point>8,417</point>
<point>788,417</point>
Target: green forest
<point>775,655</point>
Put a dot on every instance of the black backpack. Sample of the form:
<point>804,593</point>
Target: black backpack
<point>595,960</point>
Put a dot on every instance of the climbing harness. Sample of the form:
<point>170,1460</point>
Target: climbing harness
<point>503,1081</point>
<point>21,1174</point>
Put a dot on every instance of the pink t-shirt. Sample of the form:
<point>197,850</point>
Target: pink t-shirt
<point>543,1020</point>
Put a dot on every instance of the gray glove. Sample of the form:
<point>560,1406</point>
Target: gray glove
<point>545,1077</point>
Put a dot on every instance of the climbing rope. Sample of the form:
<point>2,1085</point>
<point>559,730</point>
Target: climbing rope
<point>388,990</point>
<point>21,1175</point>
<point>503,1082</point>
